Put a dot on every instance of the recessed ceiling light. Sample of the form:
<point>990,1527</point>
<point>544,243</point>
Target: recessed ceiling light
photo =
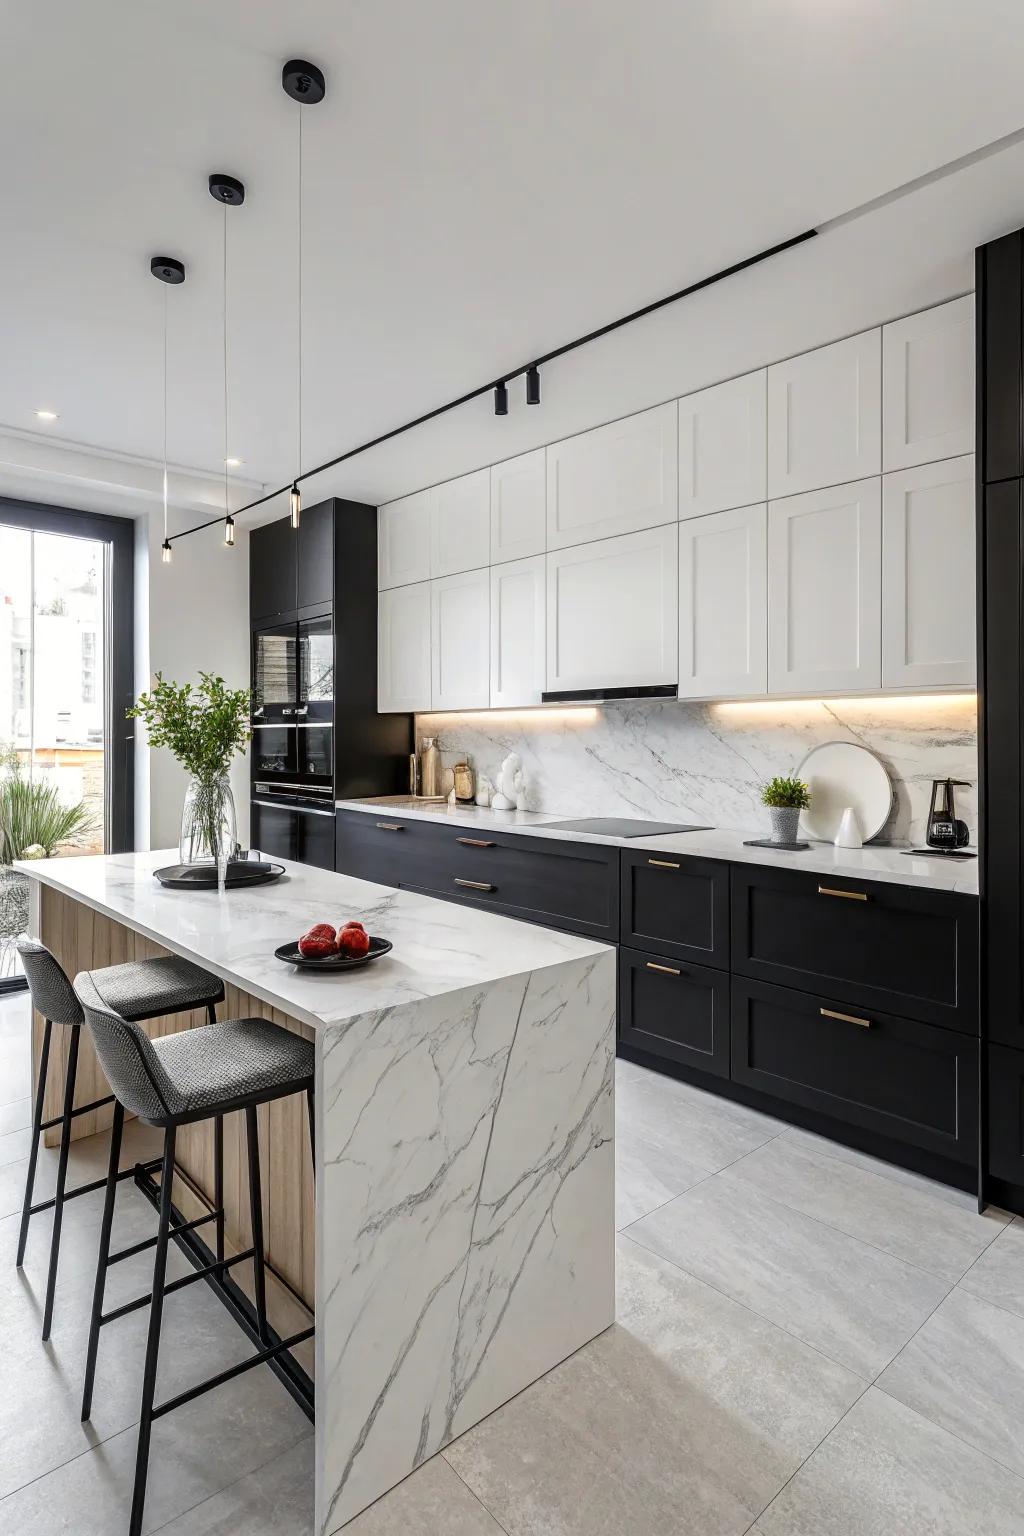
<point>234,463</point>
<point>46,415</point>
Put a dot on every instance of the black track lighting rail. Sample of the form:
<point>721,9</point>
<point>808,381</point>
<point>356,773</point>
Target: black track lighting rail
<point>530,369</point>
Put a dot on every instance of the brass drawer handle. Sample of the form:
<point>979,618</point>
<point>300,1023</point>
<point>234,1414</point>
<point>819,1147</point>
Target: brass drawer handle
<point>667,970</point>
<point>474,842</point>
<point>474,885</point>
<point>827,890</point>
<point>663,864</point>
<point>390,826</point>
<point>844,1018</point>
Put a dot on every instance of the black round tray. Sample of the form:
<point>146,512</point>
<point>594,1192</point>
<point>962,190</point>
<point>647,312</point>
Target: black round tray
<point>290,954</point>
<point>203,877</point>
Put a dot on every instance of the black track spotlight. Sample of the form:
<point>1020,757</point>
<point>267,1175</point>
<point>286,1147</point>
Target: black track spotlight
<point>501,399</point>
<point>533,385</point>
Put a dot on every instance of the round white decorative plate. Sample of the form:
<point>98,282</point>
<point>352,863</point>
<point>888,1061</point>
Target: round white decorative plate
<point>838,774</point>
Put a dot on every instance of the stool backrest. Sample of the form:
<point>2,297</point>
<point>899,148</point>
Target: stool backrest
<point>126,1055</point>
<point>52,993</point>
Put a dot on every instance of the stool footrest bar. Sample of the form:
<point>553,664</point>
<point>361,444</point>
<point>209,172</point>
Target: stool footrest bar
<point>88,1189</point>
<point>150,1242</point>
<point>177,1285</point>
<point>83,1109</point>
<point>260,1358</point>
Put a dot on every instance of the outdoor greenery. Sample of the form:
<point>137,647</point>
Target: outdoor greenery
<point>32,816</point>
<point>203,727</point>
<point>786,792</point>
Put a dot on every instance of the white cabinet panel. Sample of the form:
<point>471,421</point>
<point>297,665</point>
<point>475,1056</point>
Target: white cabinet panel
<point>403,648</point>
<point>723,446</point>
<point>928,385</point>
<point>460,532</point>
<point>518,507</point>
<point>928,635</point>
<point>403,540</point>
<point>613,612</point>
<point>518,657</point>
<point>460,641</point>
<point>723,593</point>
<point>825,588</point>
<point>825,416</point>
<point>620,477</point>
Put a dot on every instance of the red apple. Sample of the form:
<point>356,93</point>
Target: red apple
<point>354,942</point>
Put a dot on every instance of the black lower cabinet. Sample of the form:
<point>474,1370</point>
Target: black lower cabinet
<point>284,832</point>
<point>1006,1114</point>
<point>676,905</point>
<point>675,1010</point>
<point>910,1082</point>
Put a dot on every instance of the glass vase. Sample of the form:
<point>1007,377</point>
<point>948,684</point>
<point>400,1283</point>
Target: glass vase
<point>208,826</point>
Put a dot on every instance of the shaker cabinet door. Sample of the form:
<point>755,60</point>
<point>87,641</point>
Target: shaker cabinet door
<point>723,446</point>
<point>460,641</point>
<point>518,655</point>
<point>824,576</point>
<point>460,533</point>
<point>618,478</point>
<point>403,540</point>
<point>403,649</point>
<point>518,507</point>
<point>928,548</point>
<point>824,416</point>
<point>928,385</point>
<point>723,604</point>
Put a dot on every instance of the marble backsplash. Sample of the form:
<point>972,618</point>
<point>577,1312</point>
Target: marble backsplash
<point>706,762</point>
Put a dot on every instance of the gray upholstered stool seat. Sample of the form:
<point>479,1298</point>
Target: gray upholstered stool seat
<point>215,1064</point>
<point>143,989</point>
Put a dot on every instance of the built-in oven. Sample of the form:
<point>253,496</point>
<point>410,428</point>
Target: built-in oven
<point>275,673</point>
<point>275,755</point>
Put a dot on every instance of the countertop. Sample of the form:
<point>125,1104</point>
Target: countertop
<point>439,947</point>
<point>873,862</point>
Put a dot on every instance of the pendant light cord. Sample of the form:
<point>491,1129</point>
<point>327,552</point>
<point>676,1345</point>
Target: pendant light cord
<point>300,291</point>
<point>165,415</point>
<point>224,317</point>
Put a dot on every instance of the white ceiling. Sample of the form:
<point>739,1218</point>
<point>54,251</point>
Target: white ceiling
<point>482,182</point>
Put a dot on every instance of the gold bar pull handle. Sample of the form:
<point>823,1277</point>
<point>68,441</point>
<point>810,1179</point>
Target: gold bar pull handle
<point>663,863</point>
<point>390,826</point>
<point>828,890</point>
<point>474,885</point>
<point>474,842</point>
<point>845,1018</point>
<point>666,970</point>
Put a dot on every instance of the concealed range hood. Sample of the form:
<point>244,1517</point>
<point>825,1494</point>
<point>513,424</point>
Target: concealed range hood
<point>609,695</point>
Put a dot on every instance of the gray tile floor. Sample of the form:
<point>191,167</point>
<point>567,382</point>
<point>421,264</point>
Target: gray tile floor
<point>810,1343</point>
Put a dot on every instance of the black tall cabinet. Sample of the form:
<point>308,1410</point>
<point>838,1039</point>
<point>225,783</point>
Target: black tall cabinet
<point>1000,470</point>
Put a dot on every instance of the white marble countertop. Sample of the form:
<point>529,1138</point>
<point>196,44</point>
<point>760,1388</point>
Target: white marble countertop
<point>439,947</point>
<point>874,862</point>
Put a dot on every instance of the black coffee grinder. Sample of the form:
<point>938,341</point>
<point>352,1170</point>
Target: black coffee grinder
<point>946,831</point>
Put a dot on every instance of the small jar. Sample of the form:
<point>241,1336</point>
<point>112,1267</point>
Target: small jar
<point>464,785</point>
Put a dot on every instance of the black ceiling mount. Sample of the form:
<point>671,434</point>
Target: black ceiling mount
<point>303,82</point>
<point>168,269</point>
<point>226,189</point>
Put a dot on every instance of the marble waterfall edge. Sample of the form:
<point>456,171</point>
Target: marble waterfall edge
<point>465,1214</point>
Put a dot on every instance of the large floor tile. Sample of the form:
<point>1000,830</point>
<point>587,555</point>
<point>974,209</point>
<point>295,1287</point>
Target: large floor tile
<point>885,1471</point>
<point>914,1224</point>
<point>15,1145</point>
<point>697,1128</point>
<point>856,1304</point>
<point>999,1274</point>
<point>275,1500</point>
<point>87,1161</point>
<point>647,1173</point>
<point>16,1115</point>
<point>687,1416</point>
<point>965,1371</point>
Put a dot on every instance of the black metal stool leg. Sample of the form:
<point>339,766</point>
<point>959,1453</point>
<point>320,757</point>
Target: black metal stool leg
<point>256,1215</point>
<point>62,1175</point>
<point>101,1262</point>
<point>153,1340</point>
<point>211,1013</point>
<point>218,1182</point>
<point>37,1120</point>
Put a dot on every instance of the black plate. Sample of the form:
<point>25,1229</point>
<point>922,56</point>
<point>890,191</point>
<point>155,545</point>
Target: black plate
<point>290,954</point>
<point>203,877</point>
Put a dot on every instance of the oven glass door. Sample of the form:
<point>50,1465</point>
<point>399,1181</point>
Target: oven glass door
<point>316,669</point>
<point>316,753</point>
<point>275,672</point>
<point>275,752</point>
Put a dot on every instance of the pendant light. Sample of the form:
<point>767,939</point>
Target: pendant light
<point>305,84</point>
<point>230,193</point>
<point>171,273</point>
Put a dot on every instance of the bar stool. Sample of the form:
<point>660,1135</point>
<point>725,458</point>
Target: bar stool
<point>138,989</point>
<point>197,1074</point>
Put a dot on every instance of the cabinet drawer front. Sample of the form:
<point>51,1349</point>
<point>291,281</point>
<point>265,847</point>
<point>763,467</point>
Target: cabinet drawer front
<point>383,847</point>
<point>1006,1113</point>
<point>574,888</point>
<point>674,1010</point>
<point>676,905</point>
<point>899,1078</point>
<point>907,951</point>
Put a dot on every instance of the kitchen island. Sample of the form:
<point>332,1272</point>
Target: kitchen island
<point>463,1203</point>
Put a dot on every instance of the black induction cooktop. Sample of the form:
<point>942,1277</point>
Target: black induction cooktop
<point>617,826</point>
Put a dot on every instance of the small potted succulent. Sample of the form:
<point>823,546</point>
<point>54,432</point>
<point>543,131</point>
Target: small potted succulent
<point>785,799</point>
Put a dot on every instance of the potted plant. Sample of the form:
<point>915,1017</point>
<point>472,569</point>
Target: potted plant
<point>785,799</point>
<point>33,824</point>
<point>203,727</point>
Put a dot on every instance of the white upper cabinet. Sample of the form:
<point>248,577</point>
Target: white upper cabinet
<point>403,648</point>
<point>403,540</point>
<point>612,612</point>
<point>928,635</point>
<point>928,385</point>
<point>723,446</point>
<point>460,528</point>
<point>518,657</point>
<point>613,480</point>
<point>518,507</point>
<point>825,416</point>
<point>460,641</point>
<point>723,597</point>
<point>824,577</point>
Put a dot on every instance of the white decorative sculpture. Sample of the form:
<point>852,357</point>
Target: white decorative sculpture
<point>511,785</point>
